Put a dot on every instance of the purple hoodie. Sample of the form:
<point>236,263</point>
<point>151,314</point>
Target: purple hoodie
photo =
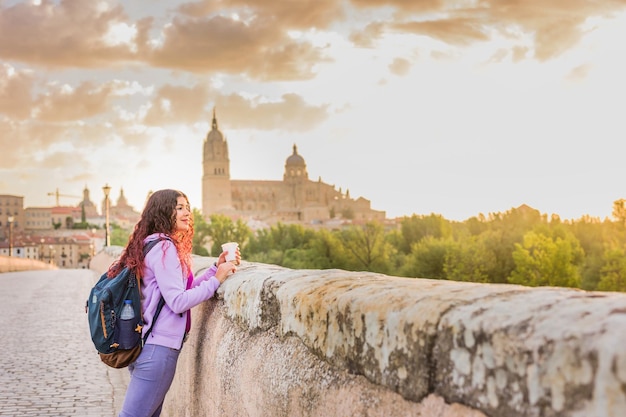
<point>163,276</point>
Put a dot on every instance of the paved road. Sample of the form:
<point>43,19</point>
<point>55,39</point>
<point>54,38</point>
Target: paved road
<point>48,365</point>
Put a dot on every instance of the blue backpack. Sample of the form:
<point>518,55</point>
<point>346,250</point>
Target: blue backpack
<point>118,341</point>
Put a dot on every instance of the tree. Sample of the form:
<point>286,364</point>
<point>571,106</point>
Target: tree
<point>543,260</point>
<point>222,229</point>
<point>619,211</point>
<point>613,273</point>
<point>367,247</point>
<point>201,235</point>
<point>428,258</point>
<point>119,236</point>
<point>594,235</point>
<point>416,228</point>
<point>469,259</point>
<point>327,251</point>
<point>270,245</point>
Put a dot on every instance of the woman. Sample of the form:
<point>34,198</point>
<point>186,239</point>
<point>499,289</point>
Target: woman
<point>165,271</point>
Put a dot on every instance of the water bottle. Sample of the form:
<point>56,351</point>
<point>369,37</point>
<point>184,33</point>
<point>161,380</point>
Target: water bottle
<point>127,310</point>
<point>127,336</point>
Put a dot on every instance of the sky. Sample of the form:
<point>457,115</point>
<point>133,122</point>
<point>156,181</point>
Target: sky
<point>447,107</point>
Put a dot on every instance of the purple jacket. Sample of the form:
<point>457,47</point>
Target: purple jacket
<point>163,276</point>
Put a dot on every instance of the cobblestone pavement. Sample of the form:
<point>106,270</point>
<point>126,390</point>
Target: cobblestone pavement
<point>48,365</point>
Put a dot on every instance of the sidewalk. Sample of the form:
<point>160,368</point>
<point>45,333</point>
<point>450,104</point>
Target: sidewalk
<point>48,365</point>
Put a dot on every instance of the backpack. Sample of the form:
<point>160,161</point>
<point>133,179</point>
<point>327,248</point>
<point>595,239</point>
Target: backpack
<point>118,341</point>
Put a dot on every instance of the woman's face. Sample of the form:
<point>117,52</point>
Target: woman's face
<point>183,214</point>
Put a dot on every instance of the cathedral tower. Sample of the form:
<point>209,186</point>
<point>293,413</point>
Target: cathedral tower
<point>296,179</point>
<point>216,189</point>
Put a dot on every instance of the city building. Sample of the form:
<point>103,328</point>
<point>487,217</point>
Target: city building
<point>122,213</point>
<point>295,199</point>
<point>47,234</point>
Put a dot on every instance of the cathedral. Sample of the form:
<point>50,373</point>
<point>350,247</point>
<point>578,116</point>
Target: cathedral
<point>295,199</point>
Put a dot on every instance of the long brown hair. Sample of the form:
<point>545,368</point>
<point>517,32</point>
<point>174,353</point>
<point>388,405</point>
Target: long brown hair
<point>158,216</point>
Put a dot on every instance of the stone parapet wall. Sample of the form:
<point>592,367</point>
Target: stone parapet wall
<point>15,264</point>
<point>281,342</point>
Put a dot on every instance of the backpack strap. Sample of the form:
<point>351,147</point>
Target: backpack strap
<point>156,315</point>
<point>148,246</point>
<point>161,303</point>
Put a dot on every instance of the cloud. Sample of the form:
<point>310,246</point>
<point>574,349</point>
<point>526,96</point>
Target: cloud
<point>178,104</point>
<point>553,27</point>
<point>301,14</point>
<point>218,44</point>
<point>20,140</point>
<point>47,35</point>
<point>456,31</point>
<point>257,39</point>
<point>64,160</point>
<point>400,66</point>
<point>15,88</point>
<point>62,102</point>
<point>403,5</point>
<point>366,38</point>
<point>290,113</point>
<point>579,73</point>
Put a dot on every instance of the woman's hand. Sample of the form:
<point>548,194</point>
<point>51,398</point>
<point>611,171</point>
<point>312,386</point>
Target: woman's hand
<point>222,258</point>
<point>224,270</point>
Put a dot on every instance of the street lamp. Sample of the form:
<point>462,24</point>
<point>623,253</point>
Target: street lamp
<point>42,240</point>
<point>10,220</point>
<point>107,238</point>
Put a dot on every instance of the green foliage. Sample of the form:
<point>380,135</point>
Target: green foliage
<point>619,211</point>
<point>547,260</point>
<point>594,236</point>
<point>274,242</point>
<point>201,236</point>
<point>119,236</point>
<point>84,226</point>
<point>519,246</point>
<point>470,259</point>
<point>428,258</point>
<point>365,247</point>
<point>613,273</point>
<point>222,229</point>
<point>326,251</point>
<point>415,228</point>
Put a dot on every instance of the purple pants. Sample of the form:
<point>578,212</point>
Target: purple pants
<point>151,376</point>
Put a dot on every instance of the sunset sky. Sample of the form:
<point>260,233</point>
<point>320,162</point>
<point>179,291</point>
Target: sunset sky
<point>448,107</point>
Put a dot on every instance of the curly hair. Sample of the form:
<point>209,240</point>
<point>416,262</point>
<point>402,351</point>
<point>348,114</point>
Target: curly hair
<point>158,216</point>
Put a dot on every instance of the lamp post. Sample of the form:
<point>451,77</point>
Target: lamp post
<point>10,220</point>
<point>42,240</point>
<point>107,238</point>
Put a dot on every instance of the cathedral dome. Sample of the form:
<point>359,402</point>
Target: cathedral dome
<point>295,168</point>
<point>295,159</point>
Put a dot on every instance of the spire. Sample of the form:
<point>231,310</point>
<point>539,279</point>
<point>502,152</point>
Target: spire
<point>214,125</point>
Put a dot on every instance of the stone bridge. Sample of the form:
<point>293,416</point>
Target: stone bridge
<point>282,342</point>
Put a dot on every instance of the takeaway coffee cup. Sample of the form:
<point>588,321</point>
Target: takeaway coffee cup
<point>231,248</point>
